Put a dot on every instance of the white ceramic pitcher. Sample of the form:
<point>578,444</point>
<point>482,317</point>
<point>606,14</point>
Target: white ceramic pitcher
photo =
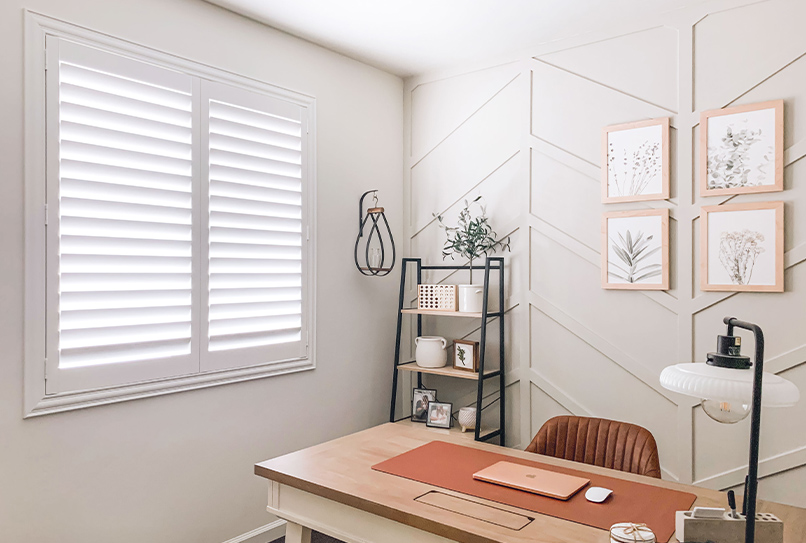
<point>430,351</point>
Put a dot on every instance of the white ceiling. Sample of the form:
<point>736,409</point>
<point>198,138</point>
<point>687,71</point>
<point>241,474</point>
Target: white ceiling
<point>415,36</point>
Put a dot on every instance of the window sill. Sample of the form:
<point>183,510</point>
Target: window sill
<point>59,403</point>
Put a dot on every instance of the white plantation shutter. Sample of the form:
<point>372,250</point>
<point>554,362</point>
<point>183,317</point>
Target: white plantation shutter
<point>255,245</point>
<point>120,220</point>
<point>176,243</point>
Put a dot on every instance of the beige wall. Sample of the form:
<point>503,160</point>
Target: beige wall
<point>526,133</point>
<point>178,468</point>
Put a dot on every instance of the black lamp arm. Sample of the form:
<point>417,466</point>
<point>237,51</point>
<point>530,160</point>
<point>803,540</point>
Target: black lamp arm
<point>751,486</point>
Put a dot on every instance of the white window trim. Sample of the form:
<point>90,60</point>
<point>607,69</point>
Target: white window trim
<point>36,402</point>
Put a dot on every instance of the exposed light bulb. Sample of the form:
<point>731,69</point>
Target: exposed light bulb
<point>726,412</point>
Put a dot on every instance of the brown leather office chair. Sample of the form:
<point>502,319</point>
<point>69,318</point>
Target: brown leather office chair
<point>600,442</point>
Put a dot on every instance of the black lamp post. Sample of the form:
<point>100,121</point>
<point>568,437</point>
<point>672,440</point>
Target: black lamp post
<point>731,387</point>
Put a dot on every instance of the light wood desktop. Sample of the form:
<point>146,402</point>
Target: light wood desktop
<point>331,488</point>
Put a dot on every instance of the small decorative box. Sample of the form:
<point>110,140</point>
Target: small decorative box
<point>630,532</point>
<point>437,297</point>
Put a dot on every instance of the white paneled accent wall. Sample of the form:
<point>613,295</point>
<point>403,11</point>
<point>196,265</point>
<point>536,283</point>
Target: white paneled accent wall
<point>525,132</point>
<point>467,140</point>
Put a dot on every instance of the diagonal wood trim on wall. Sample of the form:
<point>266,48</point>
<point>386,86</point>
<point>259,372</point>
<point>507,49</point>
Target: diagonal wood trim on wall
<point>582,350</point>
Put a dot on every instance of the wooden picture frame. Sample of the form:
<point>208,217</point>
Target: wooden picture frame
<point>750,145</point>
<point>737,257</point>
<point>638,247</point>
<point>474,355</point>
<point>636,143</point>
<point>440,415</point>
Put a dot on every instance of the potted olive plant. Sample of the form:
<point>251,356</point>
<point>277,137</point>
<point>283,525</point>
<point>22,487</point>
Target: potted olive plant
<point>471,238</point>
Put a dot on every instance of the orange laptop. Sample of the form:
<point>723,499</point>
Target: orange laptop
<point>529,479</point>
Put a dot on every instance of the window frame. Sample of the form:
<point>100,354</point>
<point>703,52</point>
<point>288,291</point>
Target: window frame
<point>36,317</point>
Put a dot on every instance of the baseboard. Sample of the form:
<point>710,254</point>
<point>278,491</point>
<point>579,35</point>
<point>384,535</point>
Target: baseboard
<point>264,534</point>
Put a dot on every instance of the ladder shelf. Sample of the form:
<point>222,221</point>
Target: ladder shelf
<point>491,264</point>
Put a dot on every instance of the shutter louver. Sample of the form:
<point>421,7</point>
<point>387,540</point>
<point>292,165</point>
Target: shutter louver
<point>255,244</point>
<point>125,218</point>
<point>175,245</point>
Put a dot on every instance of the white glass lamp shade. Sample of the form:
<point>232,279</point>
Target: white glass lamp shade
<point>727,384</point>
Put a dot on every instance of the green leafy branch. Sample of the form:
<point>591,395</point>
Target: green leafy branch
<point>473,236</point>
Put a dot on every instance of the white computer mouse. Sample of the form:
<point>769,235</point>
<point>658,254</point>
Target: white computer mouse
<point>597,494</point>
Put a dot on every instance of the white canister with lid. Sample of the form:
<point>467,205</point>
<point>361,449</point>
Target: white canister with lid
<point>430,352</point>
<point>471,298</point>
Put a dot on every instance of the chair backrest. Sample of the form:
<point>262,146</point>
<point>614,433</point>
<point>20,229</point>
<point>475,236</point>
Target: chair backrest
<point>600,442</point>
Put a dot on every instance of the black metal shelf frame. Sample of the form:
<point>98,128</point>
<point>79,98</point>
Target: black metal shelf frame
<point>490,264</point>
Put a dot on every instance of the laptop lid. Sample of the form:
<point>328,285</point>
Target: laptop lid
<point>529,479</point>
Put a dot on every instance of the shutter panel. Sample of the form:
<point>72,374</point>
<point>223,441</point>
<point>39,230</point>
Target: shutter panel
<point>121,215</point>
<point>255,248</point>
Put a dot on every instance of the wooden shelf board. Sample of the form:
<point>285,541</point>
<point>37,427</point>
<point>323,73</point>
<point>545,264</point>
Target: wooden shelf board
<point>454,430</point>
<point>416,311</point>
<point>448,371</point>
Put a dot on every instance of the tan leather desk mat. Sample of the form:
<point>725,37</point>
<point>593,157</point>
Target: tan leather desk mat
<point>450,466</point>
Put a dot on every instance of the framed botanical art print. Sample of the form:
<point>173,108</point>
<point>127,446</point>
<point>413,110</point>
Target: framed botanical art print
<point>635,161</point>
<point>742,247</point>
<point>635,250</point>
<point>466,355</point>
<point>742,149</point>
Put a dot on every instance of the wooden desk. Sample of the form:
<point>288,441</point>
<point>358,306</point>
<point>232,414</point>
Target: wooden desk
<point>331,488</point>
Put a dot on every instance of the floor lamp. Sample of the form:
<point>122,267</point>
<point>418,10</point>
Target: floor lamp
<point>730,387</point>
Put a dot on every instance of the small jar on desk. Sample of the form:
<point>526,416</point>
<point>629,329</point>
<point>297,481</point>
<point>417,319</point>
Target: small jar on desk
<point>630,532</point>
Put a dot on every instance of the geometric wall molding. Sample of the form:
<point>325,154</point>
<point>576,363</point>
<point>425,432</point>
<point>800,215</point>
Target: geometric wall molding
<point>502,173</point>
<point>705,300</point>
<point>469,154</point>
<point>532,144</point>
<point>567,116</point>
<point>635,368</point>
<point>440,107</point>
<point>724,68</point>
<point>555,359</point>
<point>766,468</point>
<point>563,121</point>
<point>582,250</point>
<point>653,50</point>
<point>568,406</point>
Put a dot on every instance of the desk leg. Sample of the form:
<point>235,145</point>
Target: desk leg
<point>294,533</point>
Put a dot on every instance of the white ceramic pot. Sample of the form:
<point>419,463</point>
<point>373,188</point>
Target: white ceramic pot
<point>471,298</point>
<point>467,418</point>
<point>430,352</point>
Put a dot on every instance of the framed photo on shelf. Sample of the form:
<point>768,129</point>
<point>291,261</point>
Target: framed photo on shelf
<point>635,250</point>
<point>742,247</point>
<point>421,398</point>
<point>635,161</point>
<point>466,355</point>
<point>742,149</point>
<point>439,415</point>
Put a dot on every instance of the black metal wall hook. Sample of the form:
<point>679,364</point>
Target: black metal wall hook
<point>373,263</point>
